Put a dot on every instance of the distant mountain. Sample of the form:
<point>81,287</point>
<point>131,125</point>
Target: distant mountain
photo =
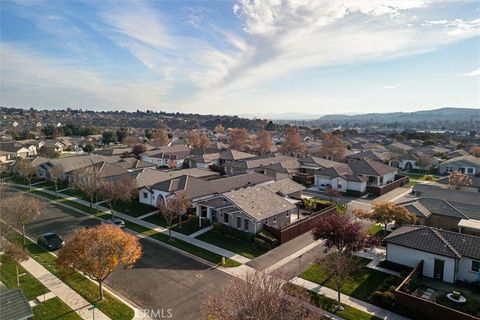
<point>442,114</point>
<point>281,116</point>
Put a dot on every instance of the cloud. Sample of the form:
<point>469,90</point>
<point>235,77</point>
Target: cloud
<point>474,73</point>
<point>28,76</point>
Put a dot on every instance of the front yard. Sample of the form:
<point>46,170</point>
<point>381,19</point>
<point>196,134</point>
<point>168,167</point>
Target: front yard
<point>133,208</point>
<point>247,248</point>
<point>362,284</point>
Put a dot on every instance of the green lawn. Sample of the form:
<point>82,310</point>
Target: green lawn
<point>54,309</point>
<point>77,194</point>
<point>182,245</point>
<point>30,286</point>
<point>348,313</point>
<point>21,180</point>
<point>156,219</point>
<point>227,241</point>
<point>362,284</point>
<point>111,306</point>
<point>133,208</point>
<point>51,185</point>
<point>191,226</point>
<point>378,230</point>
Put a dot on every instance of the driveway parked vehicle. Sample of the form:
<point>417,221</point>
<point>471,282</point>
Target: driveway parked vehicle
<point>117,222</point>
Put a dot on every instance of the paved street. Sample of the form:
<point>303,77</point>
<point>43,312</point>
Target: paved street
<point>162,279</point>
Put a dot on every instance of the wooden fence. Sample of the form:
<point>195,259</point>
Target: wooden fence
<point>299,227</point>
<point>399,181</point>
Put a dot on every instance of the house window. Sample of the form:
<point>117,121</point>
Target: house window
<point>245,224</point>
<point>475,266</point>
<point>274,219</point>
<point>225,217</point>
<point>470,170</point>
<point>239,222</point>
<point>145,195</point>
<point>203,212</point>
<point>288,214</point>
<point>339,186</point>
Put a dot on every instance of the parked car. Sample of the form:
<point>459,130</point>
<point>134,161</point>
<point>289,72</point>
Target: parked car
<point>117,222</point>
<point>51,241</point>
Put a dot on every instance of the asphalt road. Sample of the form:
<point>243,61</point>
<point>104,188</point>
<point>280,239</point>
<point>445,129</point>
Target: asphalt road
<point>163,279</point>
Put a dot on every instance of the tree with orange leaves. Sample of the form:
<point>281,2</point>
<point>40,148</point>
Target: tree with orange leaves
<point>262,142</point>
<point>238,139</point>
<point>332,147</point>
<point>99,251</point>
<point>475,151</point>
<point>457,180</point>
<point>160,138</point>
<point>292,143</point>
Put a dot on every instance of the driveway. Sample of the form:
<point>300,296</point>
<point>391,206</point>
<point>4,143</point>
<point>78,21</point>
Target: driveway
<point>163,279</point>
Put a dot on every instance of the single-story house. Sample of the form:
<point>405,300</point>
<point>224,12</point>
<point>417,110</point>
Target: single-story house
<point>473,184</point>
<point>355,176</point>
<point>197,189</point>
<point>18,150</point>
<point>447,256</point>
<point>14,305</point>
<point>467,164</point>
<point>247,209</point>
<point>164,155</point>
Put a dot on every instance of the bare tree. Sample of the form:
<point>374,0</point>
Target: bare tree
<point>339,266</point>
<point>259,296</point>
<point>19,209</point>
<point>86,180</point>
<point>424,162</point>
<point>457,180</point>
<point>25,169</point>
<point>18,254</point>
<point>56,175</point>
<point>117,190</point>
<point>131,140</point>
<point>385,213</point>
<point>139,149</point>
<point>174,206</point>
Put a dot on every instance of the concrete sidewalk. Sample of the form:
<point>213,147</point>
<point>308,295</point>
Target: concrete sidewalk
<point>61,290</point>
<point>355,303</point>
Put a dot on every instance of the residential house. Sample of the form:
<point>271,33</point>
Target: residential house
<point>355,176</point>
<point>472,185</point>
<point>287,188</point>
<point>370,155</point>
<point>18,150</point>
<point>255,164</point>
<point>437,206</point>
<point>197,189</point>
<point>447,256</point>
<point>467,164</point>
<point>228,157</point>
<point>248,209</point>
<point>163,156</point>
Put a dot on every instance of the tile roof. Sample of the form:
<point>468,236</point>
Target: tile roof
<point>284,187</point>
<point>371,168</point>
<point>437,241</point>
<point>14,305</point>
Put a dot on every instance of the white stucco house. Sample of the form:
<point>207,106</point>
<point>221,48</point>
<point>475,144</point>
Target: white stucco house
<point>355,176</point>
<point>447,256</point>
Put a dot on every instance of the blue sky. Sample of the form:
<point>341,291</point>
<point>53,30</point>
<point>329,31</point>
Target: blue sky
<point>236,57</point>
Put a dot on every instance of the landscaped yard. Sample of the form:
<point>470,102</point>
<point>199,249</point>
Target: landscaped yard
<point>77,194</point>
<point>30,286</point>
<point>156,219</point>
<point>191,226</point>
<point>363,283</point>
<point>243,247</point>
<point>378,230</point>
<point>133,208</point>
<point>54,308</point>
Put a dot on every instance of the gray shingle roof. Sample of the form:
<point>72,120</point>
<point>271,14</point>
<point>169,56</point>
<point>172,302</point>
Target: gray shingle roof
<point>14,305</point>
<point>371,168</point>
<point>441,242</point>
<point>285,187</point>
<point>259,202</point>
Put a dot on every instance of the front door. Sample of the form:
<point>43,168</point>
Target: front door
<point>438,269</point>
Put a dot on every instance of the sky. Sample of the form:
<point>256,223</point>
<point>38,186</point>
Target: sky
<point>241,57</point>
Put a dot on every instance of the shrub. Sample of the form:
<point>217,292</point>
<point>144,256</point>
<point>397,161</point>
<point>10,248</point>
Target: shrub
<point>268,238</point>
<point>388,298</point>
<point>429,178</point>
<point>227,230</point>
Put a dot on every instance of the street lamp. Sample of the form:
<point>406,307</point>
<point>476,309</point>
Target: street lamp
<point>300,263</point>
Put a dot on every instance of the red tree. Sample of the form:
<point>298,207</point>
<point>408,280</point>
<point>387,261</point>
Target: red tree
<point>139,149</point>
<point>343,233</point>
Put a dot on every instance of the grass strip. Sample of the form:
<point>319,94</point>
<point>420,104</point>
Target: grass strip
<point>54,308</point>
<point>110,306</point>
<point>30,286</point>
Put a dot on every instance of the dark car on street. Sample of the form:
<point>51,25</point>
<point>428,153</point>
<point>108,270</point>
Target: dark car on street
<point>51,241</point>
<point>116,222</point>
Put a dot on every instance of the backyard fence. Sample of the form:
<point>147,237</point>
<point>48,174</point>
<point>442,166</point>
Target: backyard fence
<point>299,227</point>
<point>399,181</point>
